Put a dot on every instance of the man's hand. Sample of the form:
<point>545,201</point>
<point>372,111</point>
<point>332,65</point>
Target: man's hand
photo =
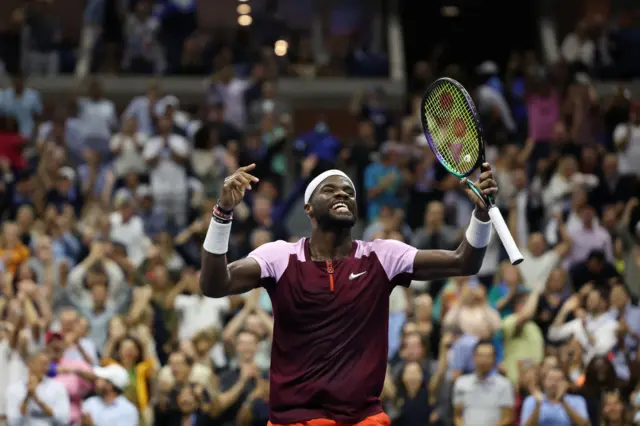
<point>571,304</point>
<point>562,390</point>
<point>486,184</point>
<point>248,371</point>
<point>235,186</point>
<point>534,390</point>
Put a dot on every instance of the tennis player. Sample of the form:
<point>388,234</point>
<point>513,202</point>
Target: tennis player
<point>330,297</point>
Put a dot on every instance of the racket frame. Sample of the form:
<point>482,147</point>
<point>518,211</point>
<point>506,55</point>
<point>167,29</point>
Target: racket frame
<point>494,212</point>
<point>488,201</point>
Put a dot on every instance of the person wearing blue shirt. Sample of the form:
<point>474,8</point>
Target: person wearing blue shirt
<point>22,103</point>
<point>382,181</point>
<point>554,407</point>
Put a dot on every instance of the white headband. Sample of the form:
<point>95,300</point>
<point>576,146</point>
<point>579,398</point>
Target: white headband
<point>320,178</point>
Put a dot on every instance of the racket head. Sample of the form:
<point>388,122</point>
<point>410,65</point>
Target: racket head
<point>452,127</point>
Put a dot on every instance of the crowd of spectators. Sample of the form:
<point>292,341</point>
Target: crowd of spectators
<point>606,47</point>
<point>102,320</point>
<point>176,37</point>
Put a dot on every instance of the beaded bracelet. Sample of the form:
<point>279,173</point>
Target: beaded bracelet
<point>220,216</point>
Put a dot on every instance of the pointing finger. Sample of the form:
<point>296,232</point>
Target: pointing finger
<point>247,168</point>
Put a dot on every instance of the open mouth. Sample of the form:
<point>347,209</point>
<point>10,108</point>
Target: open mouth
<point>340,207</point>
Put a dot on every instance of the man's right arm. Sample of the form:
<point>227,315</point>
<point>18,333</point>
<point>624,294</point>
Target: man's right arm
<point>217,278</point>
<point>220,279</point>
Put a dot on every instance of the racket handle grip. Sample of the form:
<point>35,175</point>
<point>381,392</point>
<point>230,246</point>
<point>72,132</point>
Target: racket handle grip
<point>505,236</point>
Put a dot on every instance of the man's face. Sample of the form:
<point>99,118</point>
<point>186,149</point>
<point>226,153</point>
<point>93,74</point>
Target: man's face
<point>246,347</point>
<point>413,349</point>
<point>552,381</point>
<point>96,279</point>
<point>537,244</point>
<point>99,294</point>
<point>179,367</point>
<point>619,297</point>
<point>39,364</point>
<point>435,215</point>
<point>594,301</point>
<point>102,387</point>
<point>484,358</point>
<point>56,348</point>
<point>333,203</point>
<point>68,321</point>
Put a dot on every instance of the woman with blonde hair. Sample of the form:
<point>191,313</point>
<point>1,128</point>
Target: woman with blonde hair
<point>129,351</point>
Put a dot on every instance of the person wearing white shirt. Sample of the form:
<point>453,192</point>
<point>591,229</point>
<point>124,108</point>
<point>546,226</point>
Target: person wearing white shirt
<point>97,113</point>
<point>142,108</point>
<point>127,228</point>
<point>166,155</point>
<point>626,136</point>
<point>578,48</point>
<point>230,90</point>
<point>38,401</point>
<point>490,99</point>
<point>541,261</point>
<point>596,333</point>
<point>198,312</point>
<point>127,146</point>
<point>109,407</point>
<point>565,180</point>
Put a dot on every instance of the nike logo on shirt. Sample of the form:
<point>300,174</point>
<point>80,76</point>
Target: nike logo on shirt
<point>353,276</point>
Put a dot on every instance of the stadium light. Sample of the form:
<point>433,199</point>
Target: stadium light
<point>281,47</point>
<point>450,11</point>
<point>244,9</point>
<point>245,20</point>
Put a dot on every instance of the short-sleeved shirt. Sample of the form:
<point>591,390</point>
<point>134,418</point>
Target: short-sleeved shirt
<point>329,350</point>
<point>23,107</point>
<point>553,413</point>
<point>482,400</point>
<point>118,412</point>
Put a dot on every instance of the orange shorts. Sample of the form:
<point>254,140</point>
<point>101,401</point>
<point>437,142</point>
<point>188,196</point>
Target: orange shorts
<point>380,419</point>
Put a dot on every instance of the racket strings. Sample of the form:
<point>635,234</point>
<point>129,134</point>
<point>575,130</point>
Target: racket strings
<point>452,126</point>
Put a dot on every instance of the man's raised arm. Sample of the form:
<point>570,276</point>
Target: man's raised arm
<point>217,277</point>
<point>467,258</point>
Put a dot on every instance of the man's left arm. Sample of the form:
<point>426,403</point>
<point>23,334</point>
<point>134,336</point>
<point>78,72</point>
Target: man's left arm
<point>467,258</point>
<point>507,412</point>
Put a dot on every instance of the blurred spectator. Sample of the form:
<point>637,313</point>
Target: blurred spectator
<point>554,406</point>
<point>109,404</point>
<point>577,48</point>
<point>482,397</point>
<point>104,218</point>
<point>39,399</point>
<point>22,103</point>
<point>45,36</point>
<point>143,52</point>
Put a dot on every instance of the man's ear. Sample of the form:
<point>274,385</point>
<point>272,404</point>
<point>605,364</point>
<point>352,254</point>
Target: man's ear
<point>308,210</point>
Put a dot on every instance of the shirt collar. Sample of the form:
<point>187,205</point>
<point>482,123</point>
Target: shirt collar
<point>488,379</point>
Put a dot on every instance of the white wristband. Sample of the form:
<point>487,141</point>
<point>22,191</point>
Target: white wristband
<point>478,233</point>
<point>217,239</point>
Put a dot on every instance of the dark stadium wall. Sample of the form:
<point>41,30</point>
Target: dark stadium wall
<point>485,29</point>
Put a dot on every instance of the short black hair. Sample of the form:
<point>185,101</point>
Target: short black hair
<point>484,342</point>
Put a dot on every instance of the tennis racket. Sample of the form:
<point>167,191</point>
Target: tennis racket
<point>454,133</point>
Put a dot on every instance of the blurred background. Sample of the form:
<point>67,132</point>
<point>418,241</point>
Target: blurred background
<point>120,118</point>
